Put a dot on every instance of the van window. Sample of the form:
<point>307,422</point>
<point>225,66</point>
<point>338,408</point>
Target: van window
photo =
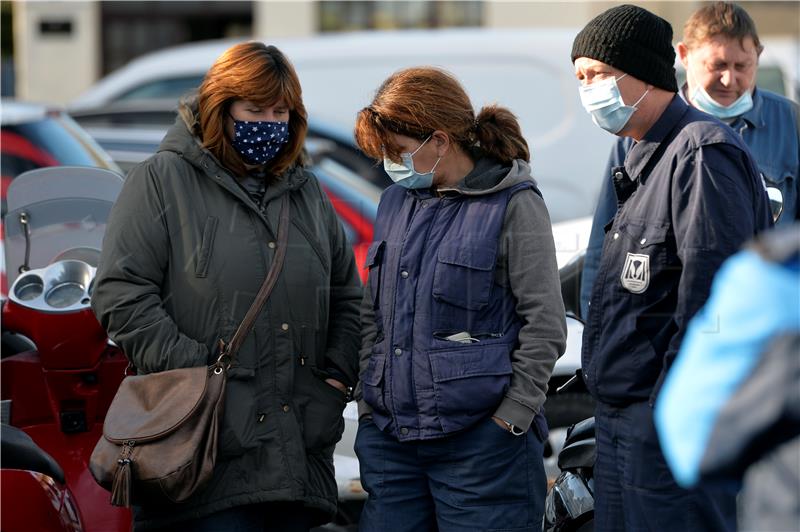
<point>162,88</point>
<point>568,152</point>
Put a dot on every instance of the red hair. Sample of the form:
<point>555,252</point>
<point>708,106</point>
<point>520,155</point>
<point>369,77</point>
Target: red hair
<point>260,74</point>
<point>415,102</point>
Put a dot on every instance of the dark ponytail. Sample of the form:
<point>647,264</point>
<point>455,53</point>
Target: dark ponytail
<point>499,135</point>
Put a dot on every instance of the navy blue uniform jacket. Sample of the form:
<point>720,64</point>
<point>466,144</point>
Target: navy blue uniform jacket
<point>689,196</point>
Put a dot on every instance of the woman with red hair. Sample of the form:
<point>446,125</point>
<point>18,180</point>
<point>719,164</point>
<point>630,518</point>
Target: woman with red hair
<point>189,243</point>
<point>462,320</point>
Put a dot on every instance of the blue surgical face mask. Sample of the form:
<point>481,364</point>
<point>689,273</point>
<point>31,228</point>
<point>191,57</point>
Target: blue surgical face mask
<point>604,102</point>
<point>404,173</point>
<point>703,101</point>
<point>259,142</point>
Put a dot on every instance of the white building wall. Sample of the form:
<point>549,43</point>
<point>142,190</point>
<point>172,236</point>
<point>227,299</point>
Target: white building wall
<point>296,18</point>
<point>56,68</point>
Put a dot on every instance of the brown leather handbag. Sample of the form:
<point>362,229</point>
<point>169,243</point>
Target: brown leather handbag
<point>159,441</point>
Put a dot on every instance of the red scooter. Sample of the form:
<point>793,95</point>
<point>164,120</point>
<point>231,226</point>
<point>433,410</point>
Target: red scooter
<point>59,370</point>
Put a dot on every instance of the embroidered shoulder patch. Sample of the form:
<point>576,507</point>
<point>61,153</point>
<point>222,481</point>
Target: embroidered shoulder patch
<point>636,273</point>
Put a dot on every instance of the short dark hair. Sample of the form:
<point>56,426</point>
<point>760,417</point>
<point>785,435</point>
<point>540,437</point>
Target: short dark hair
<point>720,18</point>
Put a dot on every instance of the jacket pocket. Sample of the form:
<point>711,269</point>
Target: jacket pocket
<point>644,236</point>
<point>464,273</point>
<point>206,245</point>
<point>648,470</point>
<point>648,254</point>
<point>238,424</point>
<point>373,263</point>
<point>371,380</point>
<point>322,419</point>
<point>468,382</point>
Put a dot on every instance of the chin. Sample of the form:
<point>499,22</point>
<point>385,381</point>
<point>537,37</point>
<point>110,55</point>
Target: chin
<point>727,98</point>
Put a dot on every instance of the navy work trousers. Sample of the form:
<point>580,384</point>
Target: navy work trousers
<point>634,488</point>
<point>481,479</point>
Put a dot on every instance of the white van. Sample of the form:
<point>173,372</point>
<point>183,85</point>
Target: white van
<point>528,71</point>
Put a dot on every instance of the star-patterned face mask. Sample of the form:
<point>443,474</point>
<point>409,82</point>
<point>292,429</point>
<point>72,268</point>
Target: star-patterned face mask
<point>259,142</point>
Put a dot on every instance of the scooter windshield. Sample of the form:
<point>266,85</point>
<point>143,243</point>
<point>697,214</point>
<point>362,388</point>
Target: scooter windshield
<point>57,213</point>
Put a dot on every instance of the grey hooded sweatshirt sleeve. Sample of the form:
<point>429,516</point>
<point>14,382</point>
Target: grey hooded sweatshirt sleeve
<point>527,264</point>
<point>529,260</point>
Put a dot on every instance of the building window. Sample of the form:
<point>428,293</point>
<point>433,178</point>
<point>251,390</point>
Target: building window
<point>355,15</point>
<point>130,29</point>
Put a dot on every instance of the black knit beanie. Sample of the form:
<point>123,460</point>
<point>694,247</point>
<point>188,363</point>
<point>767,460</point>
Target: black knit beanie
<point>633,40</point>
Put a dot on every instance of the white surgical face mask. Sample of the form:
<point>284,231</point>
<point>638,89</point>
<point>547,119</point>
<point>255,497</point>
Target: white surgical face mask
<point>404,173</point>
<point>604,102</point>
<point>703,101</point>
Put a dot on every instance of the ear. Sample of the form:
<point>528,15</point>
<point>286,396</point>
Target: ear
<point>442,142</point>
<point>683,54</point>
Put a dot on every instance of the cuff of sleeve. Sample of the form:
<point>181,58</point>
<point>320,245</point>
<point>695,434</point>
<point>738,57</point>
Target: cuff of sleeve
<point>357,394</point>
<point>515,413</point>
<point>334,366</point>
<point>334,373</point>
<point>363,409</point>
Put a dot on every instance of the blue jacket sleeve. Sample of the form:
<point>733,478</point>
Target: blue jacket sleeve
<point>751,301</point>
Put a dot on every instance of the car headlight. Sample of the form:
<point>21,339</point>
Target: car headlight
<point>569,499</point>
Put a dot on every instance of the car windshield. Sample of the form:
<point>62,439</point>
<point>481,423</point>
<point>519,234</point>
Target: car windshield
<point>55,140</point>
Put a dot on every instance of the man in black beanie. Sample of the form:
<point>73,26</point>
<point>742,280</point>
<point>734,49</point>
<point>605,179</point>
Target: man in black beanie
<point>689,195</point>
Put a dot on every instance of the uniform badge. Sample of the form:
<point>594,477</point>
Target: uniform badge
<point>636,273</point>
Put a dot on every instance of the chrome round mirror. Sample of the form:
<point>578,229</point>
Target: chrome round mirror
<point>775,202</point>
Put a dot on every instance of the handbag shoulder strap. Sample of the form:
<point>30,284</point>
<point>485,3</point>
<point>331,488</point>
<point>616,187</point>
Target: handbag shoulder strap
<point>230,349</point>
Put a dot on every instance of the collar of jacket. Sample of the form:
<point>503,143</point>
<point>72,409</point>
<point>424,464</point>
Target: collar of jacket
<point>487,177</point>
<point>180,140</point>
<point>754,117</point>
<point>641,152</point>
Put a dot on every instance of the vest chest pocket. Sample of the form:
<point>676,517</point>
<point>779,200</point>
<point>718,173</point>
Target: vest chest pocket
<point>373,263</point>
<point>464,274</point>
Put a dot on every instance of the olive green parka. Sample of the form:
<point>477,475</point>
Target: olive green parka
<point>185,251</point>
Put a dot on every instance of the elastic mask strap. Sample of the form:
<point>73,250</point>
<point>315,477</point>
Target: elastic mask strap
<point>421,145</point>
<point>435,165</point>
<point>640,99</point>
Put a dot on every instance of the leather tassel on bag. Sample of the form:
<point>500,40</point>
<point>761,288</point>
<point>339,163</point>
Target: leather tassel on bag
<point>121,488</point>
<point>123,483</point>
